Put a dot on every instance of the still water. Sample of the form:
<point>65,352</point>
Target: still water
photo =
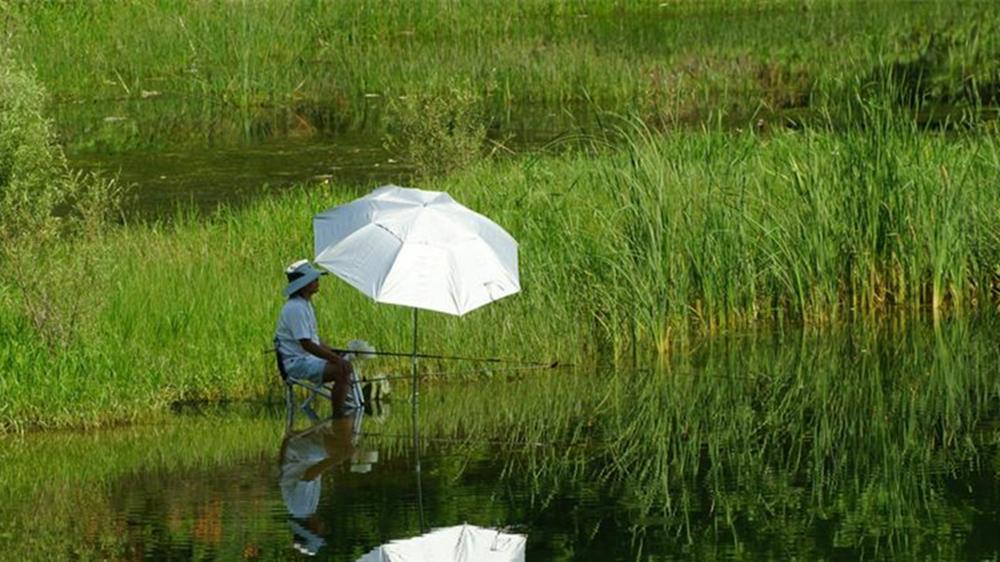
<point>873,442</point>
<point>172,156</point>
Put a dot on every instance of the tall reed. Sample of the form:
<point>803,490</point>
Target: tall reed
<point>622,251</point>
<point>205,69</point>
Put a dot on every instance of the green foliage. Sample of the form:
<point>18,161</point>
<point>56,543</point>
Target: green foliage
<point>439,132</point>
<point>266,68</point>
<point>949,62</point>
<point>33,175</point>
<point>634,248</point>
<point>717,229</point>
<point>42,206</point>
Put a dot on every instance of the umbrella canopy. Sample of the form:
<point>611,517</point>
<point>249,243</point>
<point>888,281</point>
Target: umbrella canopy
<point>453,544</point>
<point>417,248</point>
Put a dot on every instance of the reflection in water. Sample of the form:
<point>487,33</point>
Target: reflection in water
<point>868,443</point>
<point>307,454</point>
<point>461,543</point>
<point>304,457</point>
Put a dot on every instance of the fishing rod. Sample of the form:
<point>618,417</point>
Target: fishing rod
<point>466,372</point>
<point>364,353</point>
<point>474,441</point>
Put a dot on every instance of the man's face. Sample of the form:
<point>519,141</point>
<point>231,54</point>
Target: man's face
<point>311,289</point>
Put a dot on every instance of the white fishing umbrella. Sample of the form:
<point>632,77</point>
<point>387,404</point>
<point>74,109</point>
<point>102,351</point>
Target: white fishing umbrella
<point>417,248</point>
<point>461,543</point>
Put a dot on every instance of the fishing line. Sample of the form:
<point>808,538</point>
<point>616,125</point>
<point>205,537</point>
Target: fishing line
<point>459,373</point>
<point>473,441</point>
<point>551,364</point>
<point>527,366</point>
<point>365,353</point>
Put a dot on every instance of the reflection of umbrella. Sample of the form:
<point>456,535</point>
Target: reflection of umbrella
<point>417,248</point>
<point>460,543</point>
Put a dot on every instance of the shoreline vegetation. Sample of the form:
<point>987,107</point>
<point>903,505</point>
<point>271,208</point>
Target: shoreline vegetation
<point>632,241</point>
<point>123,76</point>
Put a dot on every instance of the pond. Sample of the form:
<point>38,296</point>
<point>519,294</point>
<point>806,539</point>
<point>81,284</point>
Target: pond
<point>873,442</point>
<point>171,156</point>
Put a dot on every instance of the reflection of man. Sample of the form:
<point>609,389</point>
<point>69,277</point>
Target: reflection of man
<point>304,459</point>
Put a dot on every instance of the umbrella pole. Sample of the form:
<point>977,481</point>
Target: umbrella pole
<point>416,428</point>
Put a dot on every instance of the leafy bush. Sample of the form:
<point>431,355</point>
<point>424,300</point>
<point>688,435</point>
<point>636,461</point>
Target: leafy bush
<point>45,209</point>
<point>438,133</point>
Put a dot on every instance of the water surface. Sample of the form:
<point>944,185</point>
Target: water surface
<point>172,155</point>
<point>862,443</point>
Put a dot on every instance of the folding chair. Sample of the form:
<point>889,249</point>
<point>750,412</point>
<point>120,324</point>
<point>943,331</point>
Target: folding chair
<point>355,397</point>
<point>290,383</point>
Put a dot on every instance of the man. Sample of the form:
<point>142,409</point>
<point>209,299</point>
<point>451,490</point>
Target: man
<point>305,356</point>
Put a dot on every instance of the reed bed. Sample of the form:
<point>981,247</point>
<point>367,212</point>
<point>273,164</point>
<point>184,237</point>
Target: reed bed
<point>625,252</point>
<point>193,70</point>
<point>733,229</point>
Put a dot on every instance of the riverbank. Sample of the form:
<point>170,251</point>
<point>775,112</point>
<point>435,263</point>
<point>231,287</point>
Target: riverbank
<point>621,249</point>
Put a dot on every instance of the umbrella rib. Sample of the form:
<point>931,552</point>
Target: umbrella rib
<point>391,233</point>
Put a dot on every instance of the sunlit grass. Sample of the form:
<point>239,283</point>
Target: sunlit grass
<point>209,69</point>
<point>624,251</point>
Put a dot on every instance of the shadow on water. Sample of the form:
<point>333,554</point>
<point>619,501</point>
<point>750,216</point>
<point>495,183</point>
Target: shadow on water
<point>875,442</point>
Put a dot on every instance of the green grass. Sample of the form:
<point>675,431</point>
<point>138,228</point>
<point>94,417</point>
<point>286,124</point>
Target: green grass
<point>223,69</point>
<point>727,229</point>
<point>621,249</point>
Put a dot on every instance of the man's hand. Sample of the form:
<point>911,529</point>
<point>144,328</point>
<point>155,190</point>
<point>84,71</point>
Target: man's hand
<point>320,350</point>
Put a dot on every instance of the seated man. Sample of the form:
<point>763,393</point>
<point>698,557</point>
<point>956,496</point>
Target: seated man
<point>305,356</point>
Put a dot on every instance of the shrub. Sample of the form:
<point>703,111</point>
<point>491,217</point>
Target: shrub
<point>45,209</point>
<point>438,133</point>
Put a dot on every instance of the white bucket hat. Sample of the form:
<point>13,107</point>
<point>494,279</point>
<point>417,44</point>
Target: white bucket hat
<point>300,274</point>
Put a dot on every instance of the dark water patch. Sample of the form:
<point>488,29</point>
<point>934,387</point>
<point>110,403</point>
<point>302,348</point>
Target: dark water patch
<point>172,160</point>
<point>207,177</point>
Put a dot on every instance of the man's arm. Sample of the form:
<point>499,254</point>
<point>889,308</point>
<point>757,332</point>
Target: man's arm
<point>319,350</point>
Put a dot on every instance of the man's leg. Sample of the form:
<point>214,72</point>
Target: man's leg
<point>339,373</point>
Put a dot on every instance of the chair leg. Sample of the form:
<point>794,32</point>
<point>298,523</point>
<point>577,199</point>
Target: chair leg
<point>307,403</point>
<point>311,414</point>
<point>289,408</point>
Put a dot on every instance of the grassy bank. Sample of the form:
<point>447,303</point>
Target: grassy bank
<point>126,74</point>
<point>621,249</point>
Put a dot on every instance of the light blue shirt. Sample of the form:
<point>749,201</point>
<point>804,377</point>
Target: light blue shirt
<point>297,321</point>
